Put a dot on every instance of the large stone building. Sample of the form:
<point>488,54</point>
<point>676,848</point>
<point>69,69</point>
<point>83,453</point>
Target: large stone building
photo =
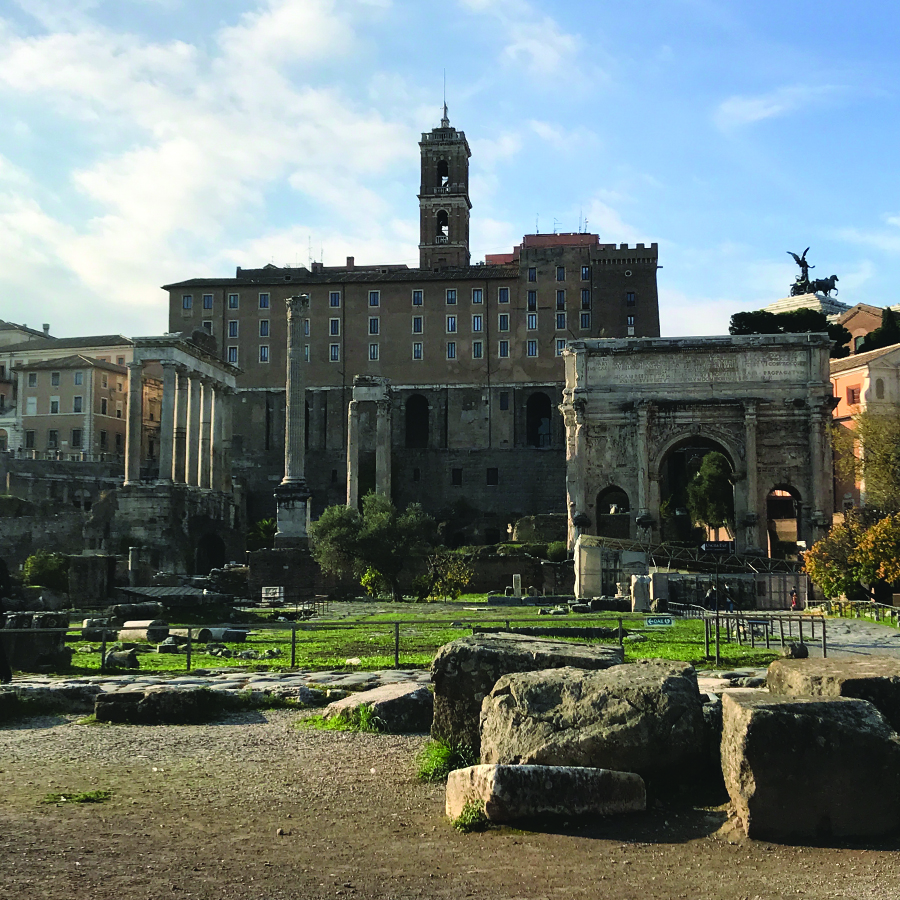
<point>472,354</point>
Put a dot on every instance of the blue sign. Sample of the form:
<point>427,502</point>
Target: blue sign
<point>658,621</point>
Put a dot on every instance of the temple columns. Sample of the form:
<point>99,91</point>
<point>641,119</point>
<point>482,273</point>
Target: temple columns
<point>180,428</point>
<point>353,454</point>
<point>383,447</point>
<point>192,455</point>
<point>167,422</point>
<point>205,460</point>
<point>133,425</point>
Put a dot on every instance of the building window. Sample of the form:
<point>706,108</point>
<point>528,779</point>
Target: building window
<point>417,350</point>
<point>334,327</point>
<point>451,324</point>
<point>532,274</point>
<point>373,324</point>
<point>233,355</point>
<point>76,439</point>
<point>306,353</point>
<point>374,298</point>
<point>417,298</point>
<point>560,321</point>
<point>504,400</point>
<point>630,320</point>
<point>207,326</point>
<point>373,352</point>
<point>477,350</point>
<point>79,378</point>
<point>531,348</point>
<point>451,296</point>
<point>503,322</point>
<point>451,349</point>
<point>263,353</point>
<point>263,327</point>
<point>104,440</point>
<point>456,477</point>
<point>306,328</point>
<point>234,301</point>
<point>120,440</point>
<point>503,295</point>
<point>120,360</point>
<point>104,406</point>
<point>503,350</point>
<point>54,406</point>
<point>187,301</point>
<point>532,321</point>
<point>232,328</point>
<point>77,404</point>
<point>207,301</point>
<point>334,353</point>
<point>477,295</point>
<point>560,273</point>
<point>119,410</point>
<point>417,474</point>
<point>52,439</point>
<point>263,301</point>
<point>493,476</point>
<point>334,299</point>
<point>477,323</point>
<point>32,379</point>
<point>585,320</point>
<point>119,387</point>
<point>629,299</point>
<point>29,440</point>
<point>585,273</point>
<point>54,379</point>
<point>560,299</point>
<point>586,298</point>
<point>560,346</point>
<point>853,396</point>
<point>104,380</point>
<point>417,322</point>
<point>532,301</point>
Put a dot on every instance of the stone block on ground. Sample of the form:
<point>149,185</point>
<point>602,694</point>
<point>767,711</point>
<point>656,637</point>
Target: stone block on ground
<point>809,769</point>
<point>509,793</point>
<point>464,672</point>
<point>643,717</point>
<point>404,706</point>
<point>873,678</point>
<point>166,706</point>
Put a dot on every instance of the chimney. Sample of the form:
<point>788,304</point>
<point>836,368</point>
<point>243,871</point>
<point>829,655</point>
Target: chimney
<point>350,262</point>
<point>46,329</point>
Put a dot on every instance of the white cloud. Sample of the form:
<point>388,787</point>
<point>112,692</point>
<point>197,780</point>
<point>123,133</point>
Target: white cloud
<point>745,110</point>
<point>605,221</point>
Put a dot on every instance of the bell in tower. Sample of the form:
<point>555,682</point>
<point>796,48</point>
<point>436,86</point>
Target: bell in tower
<point>444,198</point>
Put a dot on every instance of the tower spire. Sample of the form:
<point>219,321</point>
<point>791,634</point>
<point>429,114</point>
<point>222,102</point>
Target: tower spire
<point>445,121</point>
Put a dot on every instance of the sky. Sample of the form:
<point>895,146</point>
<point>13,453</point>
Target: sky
<point>149,141</point>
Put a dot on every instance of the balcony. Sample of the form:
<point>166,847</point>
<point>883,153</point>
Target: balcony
<point>442,239</point>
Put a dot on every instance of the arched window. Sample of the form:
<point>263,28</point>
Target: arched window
<point>612,513</point>
<point>443,223</point>
<point>879,389</point>
<point>416,422</point>
<point>537,420</point>
<point>443,173</point>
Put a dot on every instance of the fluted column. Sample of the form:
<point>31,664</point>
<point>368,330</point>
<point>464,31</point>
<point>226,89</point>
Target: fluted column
<point>192,456</point>
<point>205,433</point>
<point>167,422</point>
<point>383,447</point>
<point>353,454</point>
<point>224,427</point>
<point>643,459</point>
<point>133,425</point>
<point>752,517</point>
<point>180,431</point>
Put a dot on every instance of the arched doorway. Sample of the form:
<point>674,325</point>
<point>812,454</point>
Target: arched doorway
<point>210,554</point>
<point>613,513</point>
<point>679,468</point>
<point>416,413</point>
<point>537,420</point>
<point>783,521</point>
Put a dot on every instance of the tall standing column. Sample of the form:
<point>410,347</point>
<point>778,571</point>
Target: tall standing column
<point>383,447</point>
<point>206,433</point>
<point>167,422</point>
<point>643,459</point>
<point>133,425</point>
<point>817,445</point>
<point>292,495</point>
<point>192,456</point>
<point>752,517</point>
<point>353,454</point>
<point>180,431</point>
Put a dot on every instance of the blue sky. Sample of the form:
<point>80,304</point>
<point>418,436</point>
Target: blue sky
<point>148,141</point>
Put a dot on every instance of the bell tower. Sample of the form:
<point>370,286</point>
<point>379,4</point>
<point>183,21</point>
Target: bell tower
<point>444,198</point>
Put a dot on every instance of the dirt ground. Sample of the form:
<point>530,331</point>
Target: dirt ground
<point>195,812</point>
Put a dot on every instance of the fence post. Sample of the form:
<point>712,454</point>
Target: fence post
<point>706,635</point>
<point>396,645</point>
<point>103,652</point>
<point>620,631</point>
<point>188,659</point>
<point>781,629</point>
<point>717,637</point>
<point>293,644</point>
<point>824,642</point>
<point>800,627</point>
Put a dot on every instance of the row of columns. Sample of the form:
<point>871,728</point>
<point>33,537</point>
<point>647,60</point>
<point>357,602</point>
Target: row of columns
<point>195,429</point>
<point>382,449</point>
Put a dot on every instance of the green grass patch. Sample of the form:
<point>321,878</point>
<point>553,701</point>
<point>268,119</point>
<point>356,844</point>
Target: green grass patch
<point>359,718</point>
<point>78,797</point>
<point>472,818</point>
<point>438,759</point>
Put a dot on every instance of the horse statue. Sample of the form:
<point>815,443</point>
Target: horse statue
<point>824,285</point>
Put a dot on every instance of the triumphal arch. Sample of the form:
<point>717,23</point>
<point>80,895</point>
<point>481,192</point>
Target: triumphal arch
<point>642,413</point>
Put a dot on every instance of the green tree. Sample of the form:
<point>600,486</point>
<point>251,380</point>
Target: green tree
<point>46,569</point>
<point>261,534</point>
<point>836,562</point>
<point>710,493</point>
<point>870,455</point>
<point>886,335</point>
<point>447,574</point>
<point>347,541</point>
<point>796,321</point>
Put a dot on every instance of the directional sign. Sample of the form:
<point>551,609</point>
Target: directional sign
<point>658,621</point>
<point>718,547</point>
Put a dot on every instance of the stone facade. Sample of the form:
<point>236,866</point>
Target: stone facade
<point>641,413</point>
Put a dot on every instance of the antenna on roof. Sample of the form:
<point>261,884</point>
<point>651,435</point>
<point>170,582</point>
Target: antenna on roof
<point>537,223</point>
<point>555,224</point>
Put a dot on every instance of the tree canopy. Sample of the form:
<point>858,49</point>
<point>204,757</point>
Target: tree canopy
<point>710,493</point>
<point>350,542</point>
<point>796,321</point>
<point>870,455</point>
<point>887,334</point>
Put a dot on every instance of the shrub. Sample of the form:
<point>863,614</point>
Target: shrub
<point>472,818</point>
<point>46,569</point>
<point>438,759</point>
<point>557,551</point>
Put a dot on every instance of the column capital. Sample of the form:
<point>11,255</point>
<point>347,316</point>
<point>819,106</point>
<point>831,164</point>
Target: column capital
<point>297,305</point>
